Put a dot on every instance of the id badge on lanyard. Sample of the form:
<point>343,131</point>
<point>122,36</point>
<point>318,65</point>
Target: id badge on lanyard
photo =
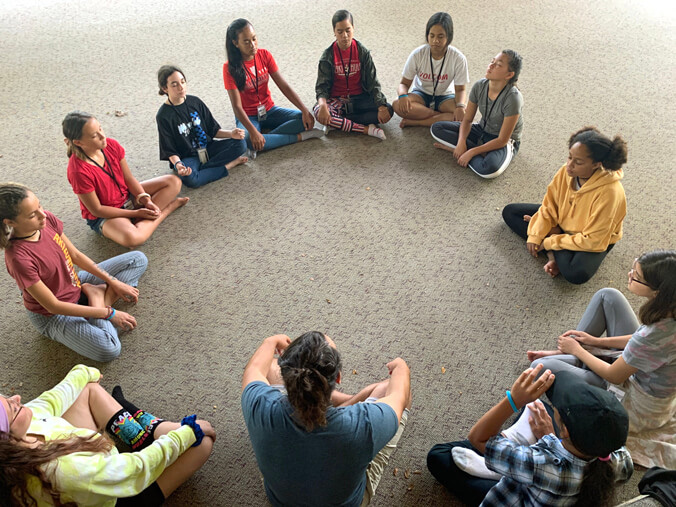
<point>262,112</point>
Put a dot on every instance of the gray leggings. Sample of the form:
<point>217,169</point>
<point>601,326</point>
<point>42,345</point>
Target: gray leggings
<point>609,312</point>
<point>93,338</point>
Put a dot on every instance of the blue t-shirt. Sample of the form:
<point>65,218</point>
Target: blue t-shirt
<point>324,467</point>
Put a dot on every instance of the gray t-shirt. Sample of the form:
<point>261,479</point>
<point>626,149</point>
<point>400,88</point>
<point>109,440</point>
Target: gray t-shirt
<point>509,103</point>
<point>652,349</point>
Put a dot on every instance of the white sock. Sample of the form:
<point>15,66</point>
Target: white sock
<point>521,432</point>
<point>374,131</point>
<point>313,133</point>
<point>470,462</point>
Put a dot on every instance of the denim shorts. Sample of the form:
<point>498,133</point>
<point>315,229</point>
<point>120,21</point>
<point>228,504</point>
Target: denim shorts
<point>96,224</point>
<point>438,99</point>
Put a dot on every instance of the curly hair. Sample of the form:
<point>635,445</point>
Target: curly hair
<point>611,153</point>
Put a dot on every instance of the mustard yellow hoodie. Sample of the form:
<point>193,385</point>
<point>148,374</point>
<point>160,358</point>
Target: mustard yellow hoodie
<point>591,217</point>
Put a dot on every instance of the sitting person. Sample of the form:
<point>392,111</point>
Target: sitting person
<point>639,359</point>
<point>71,308</point>
<point>112,201</point>
<point>435,69</point>
<point>579,464</point>
<point>488,147</point>
<point>246,75</point>
<point>580,218</point>
<point>51,451</point>
<point>348,92</point>
<point>188,134</point>
<point>338,444</point>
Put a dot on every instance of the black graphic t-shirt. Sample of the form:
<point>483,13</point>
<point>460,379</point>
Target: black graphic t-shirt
<point>176,127</point>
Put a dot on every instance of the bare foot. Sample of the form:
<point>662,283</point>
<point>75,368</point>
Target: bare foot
<point>182,201</point>
<point>238,161</point>
<point>526,218</point>
<point>552,268</point>
<point>95,294</point>
<point>403,123</point>
<point>443,147</point>
<point>537,354</point>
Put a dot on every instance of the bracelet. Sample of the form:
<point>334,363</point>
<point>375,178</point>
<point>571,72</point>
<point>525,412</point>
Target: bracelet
<point>461,105</point>
<point>111,313</point>
<point>511,401</point>
<point>179,161</point>
<point>190,420</point>
<point>144,194</point>
<point>403,95</point>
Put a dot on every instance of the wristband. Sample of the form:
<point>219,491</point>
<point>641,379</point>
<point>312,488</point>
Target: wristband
<point>179,162</point>
<point>403,95</point>
<point>144,194</point>
<point>111,313</point>
<point>511,401</point>
<point>190,420</point>
<point>461,105</point>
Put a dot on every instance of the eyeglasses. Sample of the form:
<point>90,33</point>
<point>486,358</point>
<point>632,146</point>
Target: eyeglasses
<point>634,279</point>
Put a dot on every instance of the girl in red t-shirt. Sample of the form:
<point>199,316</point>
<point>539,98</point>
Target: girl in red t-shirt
<point>72,308</point>
<point>112,201</point>
<point>246,75</point>
<point>348,91</point>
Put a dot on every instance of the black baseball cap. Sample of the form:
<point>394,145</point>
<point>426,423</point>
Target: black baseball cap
<point>596,421</point>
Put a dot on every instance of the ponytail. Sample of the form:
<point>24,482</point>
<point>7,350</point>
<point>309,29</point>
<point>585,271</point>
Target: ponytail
<point>611,153</point>
<point>310,369</point>
<point>72,126</point>
<point>234,55</point>
<point>11,196</point>
<point>598,485</point>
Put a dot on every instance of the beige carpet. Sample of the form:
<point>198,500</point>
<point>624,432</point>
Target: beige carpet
<point>389,247</point>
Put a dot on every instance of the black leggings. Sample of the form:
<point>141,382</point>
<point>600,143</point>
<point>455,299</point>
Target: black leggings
<point>150,497</point>
<point>576,267</point>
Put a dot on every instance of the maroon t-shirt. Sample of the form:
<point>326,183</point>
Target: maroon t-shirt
<point>346,59</point>
<point>85,177</point>
<point>46,260</point>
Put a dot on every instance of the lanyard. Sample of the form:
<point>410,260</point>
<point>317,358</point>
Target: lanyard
<point>103,168</point>
<point>251,77</point>
<point>494,102</point>
<point>346,70</point>
<point>174,108</point>
<point>434,90</point>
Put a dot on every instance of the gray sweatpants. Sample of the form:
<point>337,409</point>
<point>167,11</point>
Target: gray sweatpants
<point>608,312</point>
<point>93,338</point>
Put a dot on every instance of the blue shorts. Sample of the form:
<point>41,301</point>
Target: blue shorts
<point>438,99</point>
<point>96,224</point>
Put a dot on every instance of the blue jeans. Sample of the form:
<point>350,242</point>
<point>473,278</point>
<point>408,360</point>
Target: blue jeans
<point>220,153</point>
<point>96,339</point>
<point>284,126</point>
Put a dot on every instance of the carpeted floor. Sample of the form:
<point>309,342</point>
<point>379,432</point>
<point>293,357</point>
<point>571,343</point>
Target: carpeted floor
<point>389,247</point>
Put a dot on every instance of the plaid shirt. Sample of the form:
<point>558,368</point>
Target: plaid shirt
<point>543,474</point>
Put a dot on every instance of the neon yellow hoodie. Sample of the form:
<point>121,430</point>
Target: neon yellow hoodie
<point>591,217</point>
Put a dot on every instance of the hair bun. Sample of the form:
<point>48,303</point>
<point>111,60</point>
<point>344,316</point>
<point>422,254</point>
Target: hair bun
<point>617,155</point>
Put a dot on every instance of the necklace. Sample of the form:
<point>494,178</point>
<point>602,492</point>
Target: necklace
<point>25,237</point>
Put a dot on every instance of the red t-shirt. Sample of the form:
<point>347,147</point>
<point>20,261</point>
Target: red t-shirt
<point>265,65</point>
<point>85,177</point>
<point>46,260</point>
<point>350,59</point>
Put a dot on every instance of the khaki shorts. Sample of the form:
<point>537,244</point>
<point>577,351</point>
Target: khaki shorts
<point>375,470</point>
